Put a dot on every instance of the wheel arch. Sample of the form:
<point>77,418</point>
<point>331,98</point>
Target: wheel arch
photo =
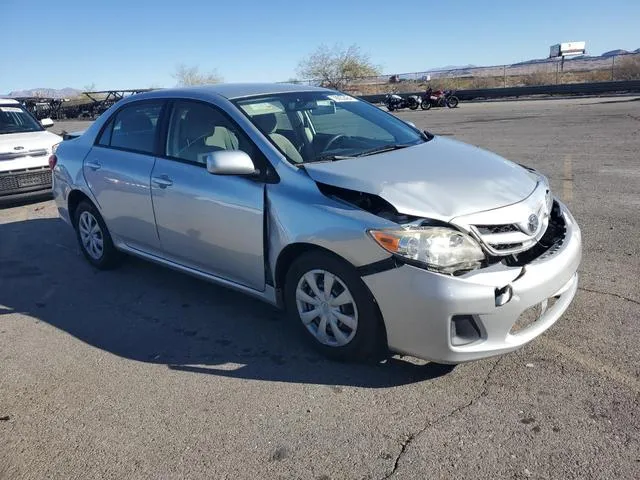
<point>293,251</point>
<point>74,199</point>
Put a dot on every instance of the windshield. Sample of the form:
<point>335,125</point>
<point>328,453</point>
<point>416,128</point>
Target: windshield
<point>326,126</point>
<point>15,119</point>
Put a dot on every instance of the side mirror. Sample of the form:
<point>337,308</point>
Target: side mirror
<point>230,162</point>
<point>46,122</point>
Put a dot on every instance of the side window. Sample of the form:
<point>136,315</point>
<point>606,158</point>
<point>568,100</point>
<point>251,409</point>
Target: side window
<point>133,128</point>
<point>196,129</point>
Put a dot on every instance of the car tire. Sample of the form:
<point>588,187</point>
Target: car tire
<point>94,238</point>
<point>352,330</point>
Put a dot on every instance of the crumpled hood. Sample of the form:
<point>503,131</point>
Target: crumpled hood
<point>28,141</point>
<point>440,179</point>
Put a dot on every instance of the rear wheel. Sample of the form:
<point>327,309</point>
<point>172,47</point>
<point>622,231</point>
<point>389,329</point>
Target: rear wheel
<point>390,108</point>
<point>332,307</point>
<point>426,105</point>
<point>94,238</point>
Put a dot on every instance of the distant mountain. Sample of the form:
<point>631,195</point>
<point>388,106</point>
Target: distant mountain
<point>613,53</point>
<point>462,68</point>
<point>46,93</point>
<point>588,58</point>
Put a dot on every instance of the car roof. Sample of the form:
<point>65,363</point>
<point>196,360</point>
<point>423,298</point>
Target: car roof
<point>233,91</point>
<point>8,101</point>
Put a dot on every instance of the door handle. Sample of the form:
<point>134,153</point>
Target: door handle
<point>93,165</point>
<point>163,181</point>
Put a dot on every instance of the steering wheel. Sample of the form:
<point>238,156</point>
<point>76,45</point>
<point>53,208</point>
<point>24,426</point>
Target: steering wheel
<point>333,140</point>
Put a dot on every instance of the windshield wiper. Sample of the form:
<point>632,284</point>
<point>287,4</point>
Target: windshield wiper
<point>384,148</point>
<point>328,158</point>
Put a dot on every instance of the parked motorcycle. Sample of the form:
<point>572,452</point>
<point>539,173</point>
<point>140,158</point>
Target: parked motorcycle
<point>439,98</point>
<point>396,102</point>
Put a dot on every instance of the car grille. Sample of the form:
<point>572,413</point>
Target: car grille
<point>17,181</point>
<point>40,152</point>
<point>489,229</point>
<point>506,239</point>
<point>552,240</point>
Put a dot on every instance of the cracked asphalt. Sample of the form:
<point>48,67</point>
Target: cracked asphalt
<point>146,373</point>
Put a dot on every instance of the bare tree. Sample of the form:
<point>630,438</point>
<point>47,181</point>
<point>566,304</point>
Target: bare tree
<point>186,76</point>
<point>89,87</point>
<point>335,67</point>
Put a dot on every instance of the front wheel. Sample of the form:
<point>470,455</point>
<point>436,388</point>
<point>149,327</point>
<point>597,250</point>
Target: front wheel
<point>425,105</point>
<point>390,107</point>
<point>413,106</point>
<point>452,102</point>
<point>332,307</point>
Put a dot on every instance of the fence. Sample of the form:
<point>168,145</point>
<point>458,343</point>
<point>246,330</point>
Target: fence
<point>537,72</point>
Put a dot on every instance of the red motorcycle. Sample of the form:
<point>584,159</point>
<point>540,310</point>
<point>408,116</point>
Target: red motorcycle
<point>439,98</point>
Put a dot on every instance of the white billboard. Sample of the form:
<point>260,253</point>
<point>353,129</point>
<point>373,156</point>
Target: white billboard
<point>566,49</point>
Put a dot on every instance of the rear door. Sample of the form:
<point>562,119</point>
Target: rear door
<point>118,172</point>
<point>211,223</point>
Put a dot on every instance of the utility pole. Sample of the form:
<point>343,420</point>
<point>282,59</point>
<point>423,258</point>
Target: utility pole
<point>613,62</point>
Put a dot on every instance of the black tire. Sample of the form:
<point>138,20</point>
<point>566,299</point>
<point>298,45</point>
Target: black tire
<point>110,257</point>
<point>390,108</point>
<point>425,105</point>
<point>413,106</point>
<point>368,341</point>
<point>452,102</point>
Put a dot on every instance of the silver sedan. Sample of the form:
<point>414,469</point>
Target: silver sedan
<point>373,235</point>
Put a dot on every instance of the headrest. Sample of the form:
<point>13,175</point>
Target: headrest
<point>136,121</point>
<point>266,122</point>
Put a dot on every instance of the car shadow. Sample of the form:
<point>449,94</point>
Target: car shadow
<point>147,313</point>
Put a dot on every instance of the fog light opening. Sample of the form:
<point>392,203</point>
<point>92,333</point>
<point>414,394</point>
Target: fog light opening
<point>464,330</point>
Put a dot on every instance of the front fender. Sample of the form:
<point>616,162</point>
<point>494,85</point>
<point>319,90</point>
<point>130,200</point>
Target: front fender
<point>301,214</point>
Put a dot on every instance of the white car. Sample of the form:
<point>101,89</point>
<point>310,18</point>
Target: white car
<point>25,148</point>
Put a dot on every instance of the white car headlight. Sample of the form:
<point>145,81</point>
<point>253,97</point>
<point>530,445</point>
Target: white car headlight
<point>442,249</point>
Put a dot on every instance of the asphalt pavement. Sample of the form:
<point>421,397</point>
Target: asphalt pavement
<point>142,372</point>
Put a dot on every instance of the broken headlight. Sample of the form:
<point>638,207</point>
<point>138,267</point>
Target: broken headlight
<point>441,249</point>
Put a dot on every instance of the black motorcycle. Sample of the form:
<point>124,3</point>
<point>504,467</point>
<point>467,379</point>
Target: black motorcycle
<point>396,102</point>
<point>439,98</point>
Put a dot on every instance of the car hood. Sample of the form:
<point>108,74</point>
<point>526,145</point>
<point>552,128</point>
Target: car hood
<point>440,179</point>
<point>28,141</point>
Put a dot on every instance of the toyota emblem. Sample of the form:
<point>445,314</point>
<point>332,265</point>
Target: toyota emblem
<point>532,223</point>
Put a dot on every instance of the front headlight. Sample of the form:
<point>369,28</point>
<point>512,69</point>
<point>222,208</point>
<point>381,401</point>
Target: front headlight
<point>442,249</point>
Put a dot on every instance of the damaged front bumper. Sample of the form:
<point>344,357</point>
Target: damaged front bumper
<point>483,313</point>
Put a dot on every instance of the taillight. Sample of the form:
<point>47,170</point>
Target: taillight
<point>53,161</point>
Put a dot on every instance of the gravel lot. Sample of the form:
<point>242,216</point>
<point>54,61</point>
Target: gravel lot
<point>146,373</point>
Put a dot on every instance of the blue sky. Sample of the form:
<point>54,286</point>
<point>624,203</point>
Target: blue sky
<point>138,43</point>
